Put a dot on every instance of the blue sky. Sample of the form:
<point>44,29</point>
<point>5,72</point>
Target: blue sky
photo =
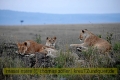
<point>62,6</point>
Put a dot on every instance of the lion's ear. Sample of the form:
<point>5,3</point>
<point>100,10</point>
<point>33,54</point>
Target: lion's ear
<point>55,37</point>
<point>86,29</point>
<point>83,31</point>
<point>18,44</point>
<point>43,47</point>
<point>47,38</point>
<point>25,43</point>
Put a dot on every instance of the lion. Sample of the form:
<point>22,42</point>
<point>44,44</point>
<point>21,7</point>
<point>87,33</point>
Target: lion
<point>91,40</point>
<point>51,41</point>
<point>51,52</point>
<point>31,47</point>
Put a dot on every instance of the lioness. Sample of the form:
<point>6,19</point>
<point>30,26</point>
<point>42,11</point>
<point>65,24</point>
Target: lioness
<point>51,41</point>
<point>91,40</point>
<point>30,47</point>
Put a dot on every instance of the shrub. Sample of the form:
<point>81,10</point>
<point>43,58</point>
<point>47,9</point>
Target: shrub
<point>100,36</point>
<point>38,38</point>
<point>116,46</point>
<point>109,37</point>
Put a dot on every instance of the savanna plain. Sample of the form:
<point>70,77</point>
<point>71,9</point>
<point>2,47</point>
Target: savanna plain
<point>66,34</point>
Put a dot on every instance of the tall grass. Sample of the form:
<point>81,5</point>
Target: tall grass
<point>92,59</point>
<point>38,38</point>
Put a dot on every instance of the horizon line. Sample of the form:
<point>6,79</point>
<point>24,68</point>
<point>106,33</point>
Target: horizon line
<point>54,13</point>
<point>58,24</point>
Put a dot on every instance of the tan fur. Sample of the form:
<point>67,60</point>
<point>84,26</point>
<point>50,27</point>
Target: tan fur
<point>91,40</point>
<point>51,41</point>
<point>21,48</point>
<point>50,52</point>
<point>30,47</point>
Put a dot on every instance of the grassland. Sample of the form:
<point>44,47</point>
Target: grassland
<point>66,34</point>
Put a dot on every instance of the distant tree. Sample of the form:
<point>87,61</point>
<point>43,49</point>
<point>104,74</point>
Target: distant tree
<point>21,21</point>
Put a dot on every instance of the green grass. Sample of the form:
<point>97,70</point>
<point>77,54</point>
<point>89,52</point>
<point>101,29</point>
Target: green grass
<point>116,46</point>
<point>38,38</point>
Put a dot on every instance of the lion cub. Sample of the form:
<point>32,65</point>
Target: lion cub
<point>51,41</point>
<point>51,52</point>
<point>30,47</point>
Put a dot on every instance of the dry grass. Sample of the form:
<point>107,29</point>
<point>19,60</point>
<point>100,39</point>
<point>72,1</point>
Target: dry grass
<point>66,34</point>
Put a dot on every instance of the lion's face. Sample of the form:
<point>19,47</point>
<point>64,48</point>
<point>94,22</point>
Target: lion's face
<point>83,34</point>
<point>22,48</point>
<point>51,41</point>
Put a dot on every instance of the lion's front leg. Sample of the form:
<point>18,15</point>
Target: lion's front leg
<point>80,47</point>
<point>75,45</point>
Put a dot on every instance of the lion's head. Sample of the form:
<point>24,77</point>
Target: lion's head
<point>51,41</point>
<point>51,52</point>
<point>83,34</point>
<point>23,47</point>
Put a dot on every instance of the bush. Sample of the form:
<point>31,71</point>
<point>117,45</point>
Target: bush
<point>116,46</point>
<point>100,36</point>
<point>38,38</point>
<point>109,37</point>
